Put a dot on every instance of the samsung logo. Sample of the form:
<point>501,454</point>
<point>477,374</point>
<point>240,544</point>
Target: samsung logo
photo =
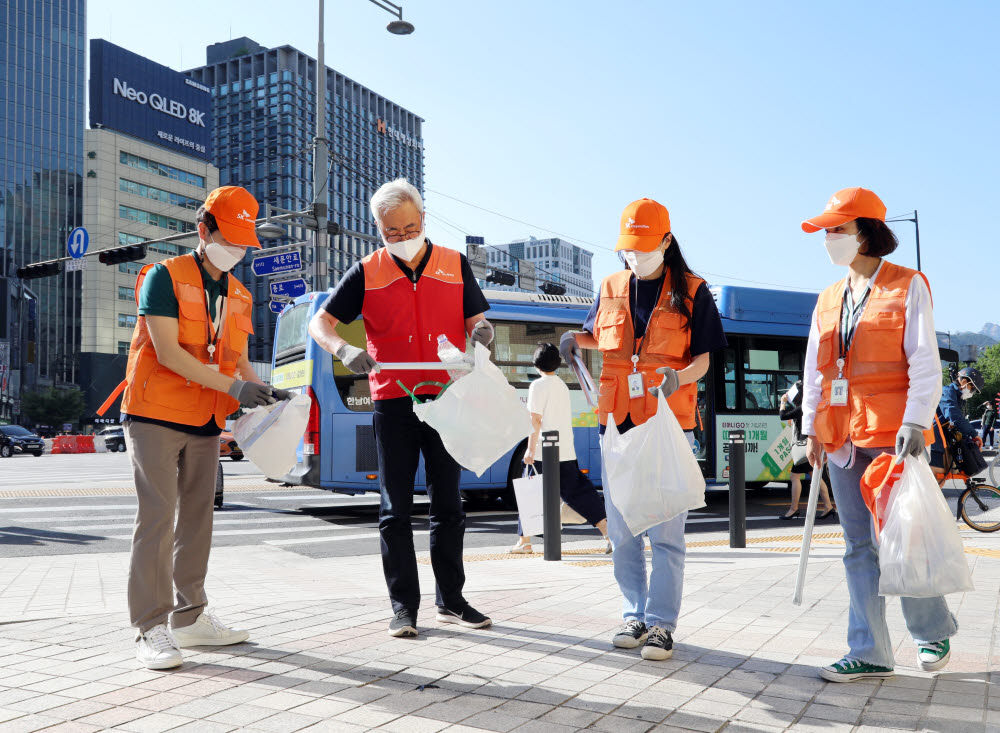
<point>196,85</point>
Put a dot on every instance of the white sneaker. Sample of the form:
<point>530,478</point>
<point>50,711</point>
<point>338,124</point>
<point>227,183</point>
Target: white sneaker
<point>157,649</point>
<point>207,630</point>
<point>521,548</point>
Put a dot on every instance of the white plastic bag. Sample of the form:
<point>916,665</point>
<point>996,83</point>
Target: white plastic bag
<point>920,550</point>
<point>651,470</point>
<point>530,504</point>
<point>269,436</point>
<point>479,417</point>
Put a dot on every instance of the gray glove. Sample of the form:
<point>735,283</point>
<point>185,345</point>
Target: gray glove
<point>669,384</point>
<point>910,440</point>
<point>357,360</point>
<point>482,333</point>
<point>251,394</point>
<point>281,394</point>
<point>568,348</point>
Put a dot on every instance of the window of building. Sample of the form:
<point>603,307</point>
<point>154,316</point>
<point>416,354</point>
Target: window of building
<point>157,194</point>
<point>126,320</point>
<point>161,169</point>
<point>123,348</point>
<point>130,268</point>
<point>156,220</point>
<point>126,293</point>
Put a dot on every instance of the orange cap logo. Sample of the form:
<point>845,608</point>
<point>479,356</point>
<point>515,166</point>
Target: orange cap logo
<point>644,223</point>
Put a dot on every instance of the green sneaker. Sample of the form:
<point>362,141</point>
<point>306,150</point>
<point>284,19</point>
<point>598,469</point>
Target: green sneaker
<point>934,655</point>
<point>851,670</point>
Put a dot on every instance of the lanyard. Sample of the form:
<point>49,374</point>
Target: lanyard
<point>850,313</point>
<point>637,344</point>
<point>214,327</point>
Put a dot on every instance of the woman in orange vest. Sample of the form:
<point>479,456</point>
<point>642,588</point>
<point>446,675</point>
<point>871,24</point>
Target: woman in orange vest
<point>655,324</point>
<point>872,382</point>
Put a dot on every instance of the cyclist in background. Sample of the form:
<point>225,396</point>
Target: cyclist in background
<point>966,384</point>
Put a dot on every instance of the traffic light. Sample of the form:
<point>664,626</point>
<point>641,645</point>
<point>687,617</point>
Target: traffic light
<point>550,288</point>
<point>118,255</point>
<point>501,277</point>
<point>42,269</point>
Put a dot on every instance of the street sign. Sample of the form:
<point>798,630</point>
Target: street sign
<point>289,288</point>
<point>77,243</point>
<point>73,265</point>
<point>277,306</point>
<point>276,264</point>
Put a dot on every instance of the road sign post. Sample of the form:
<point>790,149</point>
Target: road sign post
<point>276,264</point>
<point>77,243</point>
<point>277,306</point>
<point>288,288</point>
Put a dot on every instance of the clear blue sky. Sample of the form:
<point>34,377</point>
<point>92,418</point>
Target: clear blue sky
<point>742,118</point>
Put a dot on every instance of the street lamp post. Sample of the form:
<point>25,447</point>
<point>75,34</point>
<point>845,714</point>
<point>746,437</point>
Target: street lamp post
<point>321,146</point>
<point>916,223</point>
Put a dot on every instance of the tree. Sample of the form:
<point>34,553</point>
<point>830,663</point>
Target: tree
<point>988,365</point>
<point>53,406</point>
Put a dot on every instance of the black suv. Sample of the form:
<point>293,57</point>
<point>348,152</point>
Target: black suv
<point>114,438</point>
<point>15,439</point>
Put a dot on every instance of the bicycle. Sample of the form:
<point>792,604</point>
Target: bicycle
<point>994,469</point>
<point>979,504</point>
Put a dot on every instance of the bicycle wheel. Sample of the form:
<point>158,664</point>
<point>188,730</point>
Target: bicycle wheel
<point>994,469</point>
<point>980,507</point>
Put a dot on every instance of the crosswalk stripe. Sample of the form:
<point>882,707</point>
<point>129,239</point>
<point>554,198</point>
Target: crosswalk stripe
<point>263,530</point>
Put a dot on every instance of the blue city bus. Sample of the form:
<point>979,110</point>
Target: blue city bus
<point>767,332</point>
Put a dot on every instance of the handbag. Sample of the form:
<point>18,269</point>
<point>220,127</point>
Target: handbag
<point>799,457</point>
<point>530,505</point>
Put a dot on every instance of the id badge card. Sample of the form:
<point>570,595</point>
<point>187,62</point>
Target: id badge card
<point>838,392</point>
<point>213,367</point>
<point>635,385</point>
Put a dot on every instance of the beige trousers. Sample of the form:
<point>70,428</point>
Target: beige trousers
<point>175,485</point>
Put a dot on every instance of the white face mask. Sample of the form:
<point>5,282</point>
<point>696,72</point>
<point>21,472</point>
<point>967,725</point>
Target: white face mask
<point>224,256</point>
<point>966,393</point>
<point>643,264</point>
<point>407,249</point>
<point>842,248</point>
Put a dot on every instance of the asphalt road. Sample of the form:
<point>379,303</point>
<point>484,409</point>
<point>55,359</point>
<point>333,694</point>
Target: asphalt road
<point>307,521</point>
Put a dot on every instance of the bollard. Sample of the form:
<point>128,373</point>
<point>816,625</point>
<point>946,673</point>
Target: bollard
<point>737,491</point>
<point>550,495</point>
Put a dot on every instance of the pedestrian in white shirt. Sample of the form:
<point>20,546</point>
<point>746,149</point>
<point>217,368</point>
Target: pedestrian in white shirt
<point>872,383</point>
<point>549,405</point>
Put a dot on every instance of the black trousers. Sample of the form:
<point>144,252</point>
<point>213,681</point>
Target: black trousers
<point>401,438</point>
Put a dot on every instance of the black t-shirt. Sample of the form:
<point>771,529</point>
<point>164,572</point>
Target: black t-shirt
<point>347,299</point>
<point>707,333</point>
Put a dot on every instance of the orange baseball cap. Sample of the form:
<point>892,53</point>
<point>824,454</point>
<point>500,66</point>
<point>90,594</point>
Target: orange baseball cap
<point>235,209</point>
<point>847,205</point>
<point>644,224</point>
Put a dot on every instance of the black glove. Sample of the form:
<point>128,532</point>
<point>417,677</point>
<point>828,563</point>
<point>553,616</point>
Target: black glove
<point>251,394</point>
<point>281,394</point>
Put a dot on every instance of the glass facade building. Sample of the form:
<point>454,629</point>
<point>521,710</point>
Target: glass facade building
<point>264,110</point>
<point>41,148</point>
<point>556,261</point>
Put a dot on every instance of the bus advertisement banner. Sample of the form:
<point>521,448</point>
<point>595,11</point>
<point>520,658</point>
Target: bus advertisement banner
<point>769,444</point>
<point>296,374</point>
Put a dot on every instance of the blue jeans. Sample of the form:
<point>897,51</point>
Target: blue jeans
<point>927,619</point>
<point>656,601</point>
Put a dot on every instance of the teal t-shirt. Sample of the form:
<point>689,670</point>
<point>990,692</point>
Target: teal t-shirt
<point>157,298</point>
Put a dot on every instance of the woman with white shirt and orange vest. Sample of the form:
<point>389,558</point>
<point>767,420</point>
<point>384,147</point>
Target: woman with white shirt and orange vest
<point>656,325</point>
<point>872,383</point>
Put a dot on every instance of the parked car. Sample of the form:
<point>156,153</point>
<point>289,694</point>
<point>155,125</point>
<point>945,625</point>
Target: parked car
<point>228,447</point>
<point>19,440</point>
<point>114,438</point>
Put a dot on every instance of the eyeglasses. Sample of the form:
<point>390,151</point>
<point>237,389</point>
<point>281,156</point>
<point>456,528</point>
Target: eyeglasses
<point>393,236</point>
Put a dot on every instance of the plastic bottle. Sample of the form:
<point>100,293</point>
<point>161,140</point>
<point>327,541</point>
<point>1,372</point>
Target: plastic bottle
<point>449,353</point>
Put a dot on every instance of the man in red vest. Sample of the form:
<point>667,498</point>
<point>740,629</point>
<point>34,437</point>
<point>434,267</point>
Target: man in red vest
<point>409,293</point>
<point>187,370</point>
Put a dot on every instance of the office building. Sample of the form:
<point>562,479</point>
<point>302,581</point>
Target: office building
<point>41,143</point>
<point>555,260</point>
<point>147,171</point>
<point>264,106</point>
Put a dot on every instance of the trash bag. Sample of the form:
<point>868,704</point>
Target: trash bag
<point>877,484</point>
<point>920,553</point>
<point>269,436</point>
<point>530,502</point>
<point>652,473</point>
<point>480,417</point>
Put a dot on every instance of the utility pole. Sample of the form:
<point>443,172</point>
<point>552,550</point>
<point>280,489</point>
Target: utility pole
<point>321,175</point>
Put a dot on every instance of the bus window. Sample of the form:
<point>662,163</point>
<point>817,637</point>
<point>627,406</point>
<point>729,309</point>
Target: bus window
<point>354,389</point>
<point>291,337</point>
<point>730,379</point>
<point>767,373</point>
<point>514,346</point>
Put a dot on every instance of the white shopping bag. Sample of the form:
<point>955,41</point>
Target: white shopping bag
<point>920,549</point>
<point>652,472</point>
<point>530,505</point>
<point>269,436</point>
<point>479,417</point>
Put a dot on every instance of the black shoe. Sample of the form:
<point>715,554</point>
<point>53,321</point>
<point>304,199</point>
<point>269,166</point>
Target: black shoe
<point>465,616</point>
<point>659,645</point>
<point>828,513</point>
<point>404,624</point>
<point>632,633</point>
<point>793,515</point>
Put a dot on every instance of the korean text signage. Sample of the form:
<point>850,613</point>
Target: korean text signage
<point>136,96</point>
<point>386,129</point>
<point>768,446</point>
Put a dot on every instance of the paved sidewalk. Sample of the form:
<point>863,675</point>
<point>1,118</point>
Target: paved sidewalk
<point>319,658</point>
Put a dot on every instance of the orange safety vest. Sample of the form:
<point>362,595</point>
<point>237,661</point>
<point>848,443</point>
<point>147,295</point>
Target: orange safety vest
<point>152,390</point>
<point>876,367</point>
<point>404,319</point>
<point>667,343</point>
